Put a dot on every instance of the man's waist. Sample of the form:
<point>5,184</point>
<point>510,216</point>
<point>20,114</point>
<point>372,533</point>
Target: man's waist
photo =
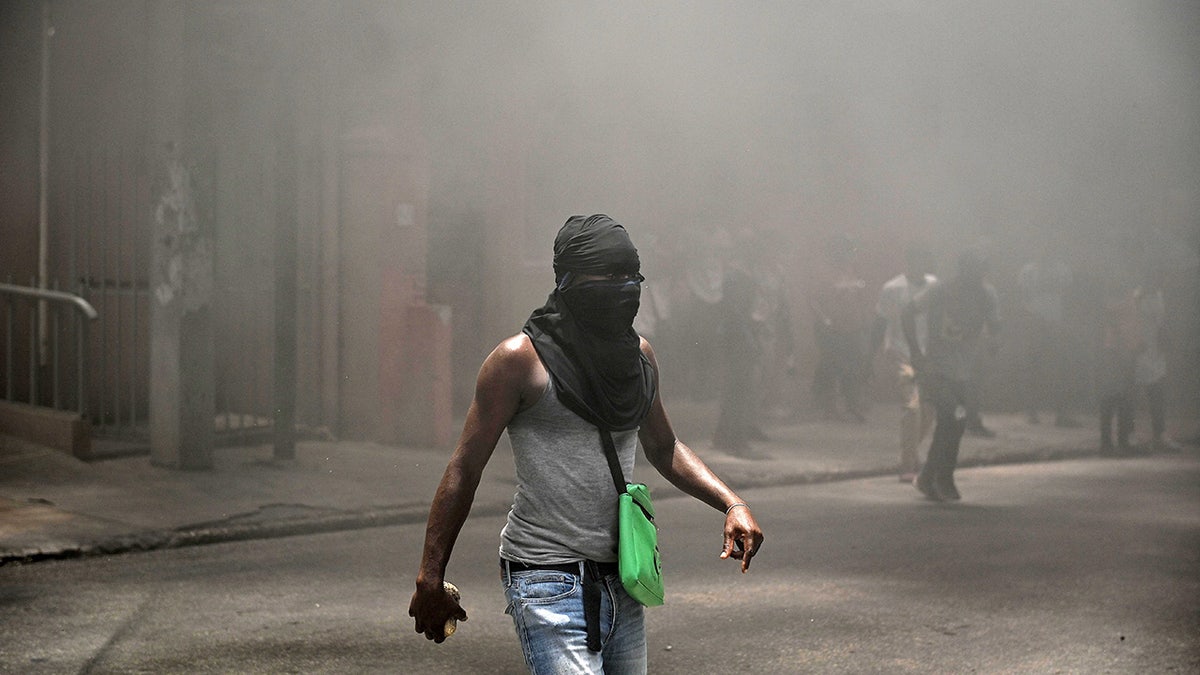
<point>603,568</point>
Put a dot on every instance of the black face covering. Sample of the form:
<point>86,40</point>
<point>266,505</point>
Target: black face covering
<point>606,308</point>
<point>584,333</point>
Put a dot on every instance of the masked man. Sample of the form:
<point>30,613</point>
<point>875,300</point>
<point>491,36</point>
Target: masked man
<point>577,370</point>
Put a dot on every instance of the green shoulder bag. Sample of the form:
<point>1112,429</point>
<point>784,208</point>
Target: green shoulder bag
<point>638,560</point>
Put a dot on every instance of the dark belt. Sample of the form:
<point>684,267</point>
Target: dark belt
<point>604,569</point>
<point>594,573</point>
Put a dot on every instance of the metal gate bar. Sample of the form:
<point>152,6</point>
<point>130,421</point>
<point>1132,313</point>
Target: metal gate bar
<point>107,207</point>
<point>55,303</point>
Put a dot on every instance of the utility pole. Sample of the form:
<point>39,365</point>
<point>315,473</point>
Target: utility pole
<point>285,268</point>
<point>43,330</point>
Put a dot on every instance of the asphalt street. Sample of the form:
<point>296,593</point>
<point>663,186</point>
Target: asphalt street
<point>1077,566</point>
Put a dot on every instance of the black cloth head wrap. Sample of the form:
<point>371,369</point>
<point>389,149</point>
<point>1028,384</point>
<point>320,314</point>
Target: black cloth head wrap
<point>607,381</point>
<point>594,245</point>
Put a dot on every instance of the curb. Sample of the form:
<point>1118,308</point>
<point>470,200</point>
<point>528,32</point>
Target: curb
<point>152,540</point>
<point>816,477</point>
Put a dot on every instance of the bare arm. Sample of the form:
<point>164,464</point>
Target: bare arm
<point>993,314</point>
<point>908,321</point>
<point>507,382</point>
<point>686,471</point>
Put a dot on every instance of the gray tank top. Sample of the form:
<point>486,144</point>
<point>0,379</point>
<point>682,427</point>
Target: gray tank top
<point>565,507</point>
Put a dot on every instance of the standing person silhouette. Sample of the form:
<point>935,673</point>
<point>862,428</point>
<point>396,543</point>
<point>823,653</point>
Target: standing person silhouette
<point>957,312</point>
<point>918,415</point>
<point>842,308</point>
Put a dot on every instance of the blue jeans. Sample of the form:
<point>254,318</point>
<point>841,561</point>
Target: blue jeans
<point>547,610</point>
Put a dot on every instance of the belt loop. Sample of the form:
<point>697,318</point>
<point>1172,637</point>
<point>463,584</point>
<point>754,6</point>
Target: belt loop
<point>506,571</point>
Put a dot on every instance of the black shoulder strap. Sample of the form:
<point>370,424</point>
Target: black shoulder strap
<point>614,465</point>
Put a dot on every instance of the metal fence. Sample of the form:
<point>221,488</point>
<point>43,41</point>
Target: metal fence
<point>100,254</point>
<point>102,245</point>
<point>103,248</point>
<point>50,327</point>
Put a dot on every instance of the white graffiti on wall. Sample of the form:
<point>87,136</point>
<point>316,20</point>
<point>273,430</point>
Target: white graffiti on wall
<point>185,264</point>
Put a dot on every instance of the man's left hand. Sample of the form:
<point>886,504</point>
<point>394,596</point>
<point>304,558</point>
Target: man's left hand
<point>743,537</point>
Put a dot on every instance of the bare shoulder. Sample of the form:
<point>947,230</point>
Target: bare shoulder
<point>518,347</point>
<point>648,350</point>
<point>514,365</point>
<point>514,357</point>
<point>656,433</point>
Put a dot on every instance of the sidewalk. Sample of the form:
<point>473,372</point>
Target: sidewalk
<point>54,506</point>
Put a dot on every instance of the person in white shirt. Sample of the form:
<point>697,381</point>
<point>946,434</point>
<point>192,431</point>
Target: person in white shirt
<point>918,415</point>
<point>1150,366</point>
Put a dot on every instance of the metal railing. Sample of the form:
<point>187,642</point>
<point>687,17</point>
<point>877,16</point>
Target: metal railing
<point>45,332</point>
<point>103,253</point>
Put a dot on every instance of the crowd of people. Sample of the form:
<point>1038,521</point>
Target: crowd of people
<point>731,312</point>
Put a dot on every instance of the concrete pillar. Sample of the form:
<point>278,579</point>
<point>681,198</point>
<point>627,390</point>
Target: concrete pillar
<point>181,274</point>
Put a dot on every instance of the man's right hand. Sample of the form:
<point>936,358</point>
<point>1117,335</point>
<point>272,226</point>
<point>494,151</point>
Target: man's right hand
<point>431,607</point>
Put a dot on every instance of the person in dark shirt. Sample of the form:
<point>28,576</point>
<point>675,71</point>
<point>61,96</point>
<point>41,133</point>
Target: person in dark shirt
<point>957,312</point>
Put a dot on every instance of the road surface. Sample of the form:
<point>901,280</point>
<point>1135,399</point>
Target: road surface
<point>1078,566</point>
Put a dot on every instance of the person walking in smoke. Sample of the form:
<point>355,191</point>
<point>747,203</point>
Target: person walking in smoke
<point>917,418</point>
<point>755,327</point>
<point>1043,283</point>
<point>841,304</point>
<point>741,354</point>
<point>577,372</point>
<point>1121,340</point>
<point>773,316</point>
<point>957,312</point>
<point>1150,366</point>
<point>703,277</point>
